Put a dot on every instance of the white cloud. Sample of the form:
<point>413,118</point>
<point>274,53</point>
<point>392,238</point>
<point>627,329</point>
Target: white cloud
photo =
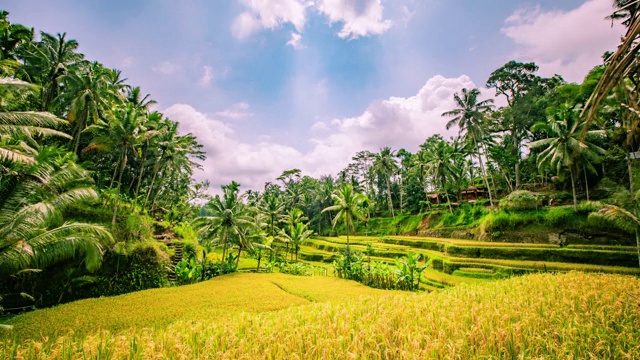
<point>236,112</point>
<point>166,67</point>
<point>569,43</point>
<point>296,41</point>
<point>268,14</point>
<point>207,75</point>
<point>229,159</point>
<point>359,17</point>
<point>397,122</point>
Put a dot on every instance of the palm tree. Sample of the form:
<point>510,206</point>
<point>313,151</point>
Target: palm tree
<point>228,220</point>
<point>124,133</point>
<point>565,147</point>
<point>295,234</point>
<point>386,165</point>
<point>622,219</point>
<point>441,166</point>
<point>347,203</point>
<point>139,102</point>
<point>622,64</point>
<point>23,126</point>
<point>469,116</point>
<point>11,37</point>
<point>46,61</point>
<point>272,209</point>
<point>89,95</point>
<point>31,232</point>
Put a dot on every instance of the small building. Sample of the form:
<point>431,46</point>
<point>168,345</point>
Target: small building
<point>473,193</point>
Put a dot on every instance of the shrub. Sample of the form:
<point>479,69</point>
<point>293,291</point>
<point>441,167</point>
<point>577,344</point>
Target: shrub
<point>561,216</point>
<point>522,200</point>
<point>186,232</point>
<point>300,269</point>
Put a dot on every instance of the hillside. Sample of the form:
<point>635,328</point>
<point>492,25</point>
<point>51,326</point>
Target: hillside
<point>277,316</point>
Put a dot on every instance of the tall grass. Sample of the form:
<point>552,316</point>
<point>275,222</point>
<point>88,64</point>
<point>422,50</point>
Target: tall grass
<point>546,316</point>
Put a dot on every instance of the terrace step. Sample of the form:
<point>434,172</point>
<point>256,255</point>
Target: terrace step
<point>175,259</point>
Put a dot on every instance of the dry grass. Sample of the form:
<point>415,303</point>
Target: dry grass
<point>544,316</point>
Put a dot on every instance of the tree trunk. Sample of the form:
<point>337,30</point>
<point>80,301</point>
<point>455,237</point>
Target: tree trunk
<point>389,197</point>
<point>446,193</point>
<point>573,188</point>
<point>238,259</point>
<point>586,181</point>
<point>115,207</point>
<point>259,258</point>
<point>516,146</point>
<point>484,173</point>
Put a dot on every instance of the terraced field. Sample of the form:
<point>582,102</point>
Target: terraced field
<point>453,261</point>
<point>275,316</point>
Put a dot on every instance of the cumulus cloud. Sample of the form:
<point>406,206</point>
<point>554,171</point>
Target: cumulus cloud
<point>398,122</point>
<point>268,14</point>
<point>569,43</point>
<point>166,67</point>
<point>359,18</point>
<point>229,159</point>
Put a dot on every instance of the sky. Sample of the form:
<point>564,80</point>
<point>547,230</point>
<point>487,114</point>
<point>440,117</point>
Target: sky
<point>271,85</point>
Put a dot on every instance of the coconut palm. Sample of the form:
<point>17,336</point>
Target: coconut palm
<point>89,95</point>
<point>228,220</point>
<point>124,133</point>
<point>295,234</point>
<point>347,204</point>
<point>23,126</point>
<point>565,147</point>
<point>11,37</point>
<point>272,209</point>
<point>31,232</point>
<point>46,61</point>
<point>469,116</point>
<point>441,166</point>
<point>622,219</point>
<point>622,64</point>
<point>385,164</point>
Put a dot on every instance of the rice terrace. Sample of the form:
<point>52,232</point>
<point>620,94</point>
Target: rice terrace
<point>288,193</point>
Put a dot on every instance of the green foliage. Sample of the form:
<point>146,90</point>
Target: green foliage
<point>186,232</point>
<point>522,200</point>
<point>297,268</point>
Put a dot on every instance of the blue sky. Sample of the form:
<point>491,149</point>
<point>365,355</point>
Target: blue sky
<point>269,85</point>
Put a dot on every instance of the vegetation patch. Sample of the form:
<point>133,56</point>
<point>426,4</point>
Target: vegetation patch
<point>474,321</point>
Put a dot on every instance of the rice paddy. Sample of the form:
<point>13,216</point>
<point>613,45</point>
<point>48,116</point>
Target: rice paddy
<point>275,316</point>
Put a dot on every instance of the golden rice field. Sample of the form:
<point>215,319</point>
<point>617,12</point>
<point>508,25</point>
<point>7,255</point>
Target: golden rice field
<point>543,316</point>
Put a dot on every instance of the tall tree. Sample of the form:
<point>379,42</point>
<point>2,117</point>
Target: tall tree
<point>518,83</point>
<point>385,164</point>
<point>123,133</point>
<point>228,220</point>
<point>46,61</point>
<point>469,116</point>
<point>88,96</point>
<point>564,148</point>
<point>348,205</point>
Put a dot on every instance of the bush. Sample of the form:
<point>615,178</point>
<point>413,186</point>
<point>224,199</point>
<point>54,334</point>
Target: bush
<point>561,216</point>
<point>522,200</point>
<point>300,269</point>
<point>186,232</point>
